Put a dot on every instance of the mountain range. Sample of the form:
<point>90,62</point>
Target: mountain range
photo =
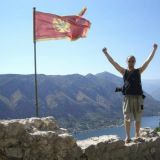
<point>78,102</point>
<point>152,86</point>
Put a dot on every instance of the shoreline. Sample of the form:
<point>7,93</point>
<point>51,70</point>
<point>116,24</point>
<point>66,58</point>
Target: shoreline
<point>104,127</point>
<point>74,133</point>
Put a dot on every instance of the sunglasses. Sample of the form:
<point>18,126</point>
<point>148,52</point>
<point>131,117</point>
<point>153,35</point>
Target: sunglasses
<point>131,61</point>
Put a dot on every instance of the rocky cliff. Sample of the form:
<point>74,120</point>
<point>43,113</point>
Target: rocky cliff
<point>42,139</point>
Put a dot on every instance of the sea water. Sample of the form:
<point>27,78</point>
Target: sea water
<point>151,122</point>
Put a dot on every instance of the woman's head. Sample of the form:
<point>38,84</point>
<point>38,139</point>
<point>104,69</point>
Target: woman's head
<point>131,60</point>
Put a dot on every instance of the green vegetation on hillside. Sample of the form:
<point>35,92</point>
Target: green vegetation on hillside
<point>157,129</point>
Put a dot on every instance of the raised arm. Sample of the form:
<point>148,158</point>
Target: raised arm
<point>146,63</point>
<point>115,64</point>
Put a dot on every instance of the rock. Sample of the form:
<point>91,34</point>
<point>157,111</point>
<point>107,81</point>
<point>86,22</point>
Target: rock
<point>96,140</point>
<point>148,132</point>
<point>112,148</point>
<point>36,139</point>
<point>42,139</point>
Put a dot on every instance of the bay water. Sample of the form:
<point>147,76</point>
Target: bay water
<point>152,122</point>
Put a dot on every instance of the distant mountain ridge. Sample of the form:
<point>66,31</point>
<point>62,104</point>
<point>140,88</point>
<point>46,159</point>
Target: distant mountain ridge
<point>152,87</point>
<point>76,101</point>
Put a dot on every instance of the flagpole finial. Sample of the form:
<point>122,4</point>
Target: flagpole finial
<point>82,12</point>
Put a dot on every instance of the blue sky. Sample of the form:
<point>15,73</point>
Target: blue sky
<point>124,26</point>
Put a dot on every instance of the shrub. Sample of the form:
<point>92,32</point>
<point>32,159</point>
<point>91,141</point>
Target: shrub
<point>157,129</point>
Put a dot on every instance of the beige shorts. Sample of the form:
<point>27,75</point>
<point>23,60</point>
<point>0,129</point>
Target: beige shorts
<point>132,107</point>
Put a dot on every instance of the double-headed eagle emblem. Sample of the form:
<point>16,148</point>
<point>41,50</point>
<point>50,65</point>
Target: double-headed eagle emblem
<point>60,25</point>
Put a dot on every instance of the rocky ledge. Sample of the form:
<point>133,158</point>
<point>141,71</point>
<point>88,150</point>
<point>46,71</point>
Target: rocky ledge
<point>42,139</point>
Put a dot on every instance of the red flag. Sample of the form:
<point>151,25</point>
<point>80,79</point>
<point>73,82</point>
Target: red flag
<point>51,26</point>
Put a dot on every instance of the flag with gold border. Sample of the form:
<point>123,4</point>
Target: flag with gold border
<point>50,26</point>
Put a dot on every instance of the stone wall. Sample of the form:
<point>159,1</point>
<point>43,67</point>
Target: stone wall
<point>112,148</point>
<point>42,139</point>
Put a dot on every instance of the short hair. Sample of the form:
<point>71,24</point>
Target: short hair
<point>131,56</point>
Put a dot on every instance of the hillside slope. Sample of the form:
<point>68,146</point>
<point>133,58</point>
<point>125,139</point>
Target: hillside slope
<point>76,101</point>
